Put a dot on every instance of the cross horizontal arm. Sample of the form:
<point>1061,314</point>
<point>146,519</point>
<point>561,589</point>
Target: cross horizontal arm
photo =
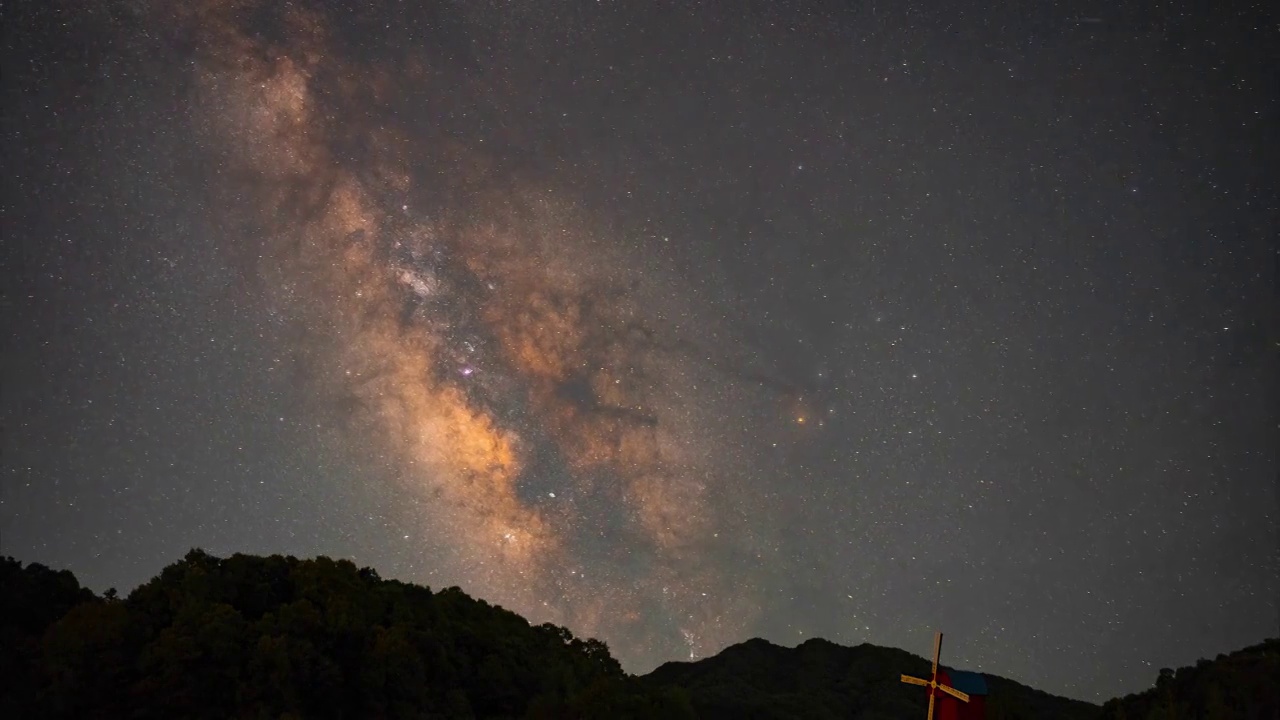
<point>915,680</point>
<point>962,696</point>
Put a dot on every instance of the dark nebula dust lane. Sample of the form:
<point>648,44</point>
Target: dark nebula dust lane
<point>674,323</point>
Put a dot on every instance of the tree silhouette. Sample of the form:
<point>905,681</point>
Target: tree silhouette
<point>278,637</point>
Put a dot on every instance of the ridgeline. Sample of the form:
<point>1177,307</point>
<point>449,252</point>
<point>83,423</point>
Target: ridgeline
<point>276,637</point>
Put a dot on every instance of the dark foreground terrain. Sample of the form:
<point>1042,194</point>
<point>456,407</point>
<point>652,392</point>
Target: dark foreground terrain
<point>276,637</point>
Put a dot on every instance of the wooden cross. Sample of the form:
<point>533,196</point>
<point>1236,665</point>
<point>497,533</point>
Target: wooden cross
<point>932,683</point>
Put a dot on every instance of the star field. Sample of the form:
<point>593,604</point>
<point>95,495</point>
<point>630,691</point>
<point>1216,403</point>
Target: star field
<point>675,323</point>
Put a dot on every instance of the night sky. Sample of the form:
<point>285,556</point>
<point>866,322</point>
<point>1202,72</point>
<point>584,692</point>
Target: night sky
<point>675,323</point>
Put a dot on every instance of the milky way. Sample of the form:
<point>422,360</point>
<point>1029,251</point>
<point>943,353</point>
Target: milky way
<point>538,386</point>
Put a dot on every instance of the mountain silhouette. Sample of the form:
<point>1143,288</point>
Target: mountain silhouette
<point>820,679</point>
<point>282,638</point>
<point>1244,684</point>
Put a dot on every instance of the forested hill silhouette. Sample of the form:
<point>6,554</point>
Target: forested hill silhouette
<point>1244,684</point>
<point>276,637</point>
<point>820,679</point>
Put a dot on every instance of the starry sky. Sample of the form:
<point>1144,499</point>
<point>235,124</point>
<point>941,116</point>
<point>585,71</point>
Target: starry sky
<point>676,323</point>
